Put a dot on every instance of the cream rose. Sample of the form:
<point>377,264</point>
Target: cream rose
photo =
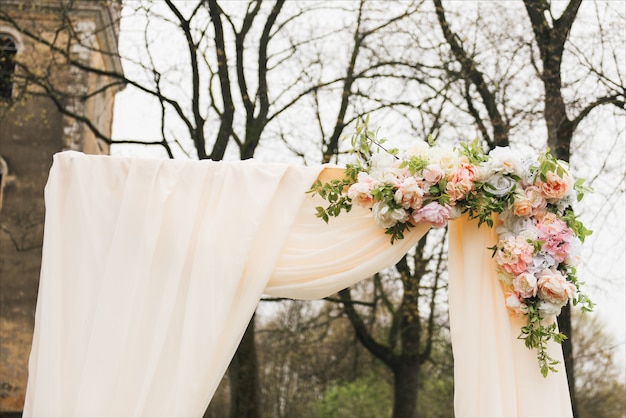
<point>548,309</point>
<point>526,285</point>
<point>444,157</point>
<point>419,149</point>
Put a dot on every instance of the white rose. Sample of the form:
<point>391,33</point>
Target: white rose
<point>445,157</point>
<point>513,225</point>
<point>547,309</point>
<point>500,185</point>
<point>418,149</point>
<point>386,217</point>
<point>504,161</point>
<point>385,168</point>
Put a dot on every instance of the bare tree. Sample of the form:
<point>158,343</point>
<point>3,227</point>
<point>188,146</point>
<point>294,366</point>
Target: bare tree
<point>561,120</point>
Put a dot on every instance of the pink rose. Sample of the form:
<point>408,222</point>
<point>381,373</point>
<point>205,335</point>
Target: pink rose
<point>361,191</point>
<point>526,285</point>
<point>514,254</point>
<point>555,187</point>
<point>433,213</point>
<point>554,288</point>
<point>461,181</point>
<point>432,173</point>
<point>408,193</point>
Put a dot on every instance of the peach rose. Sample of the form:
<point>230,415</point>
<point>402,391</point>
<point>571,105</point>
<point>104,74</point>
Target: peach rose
<point>522,206</point>
<point>538,202</point>
<point>554,288</point>
<point>555,187</point>
<point>433,173</point>
<point>361,191</point>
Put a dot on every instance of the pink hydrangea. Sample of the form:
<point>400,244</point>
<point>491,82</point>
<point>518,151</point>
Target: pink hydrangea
<point>514,254</point>
<point>556,236</point>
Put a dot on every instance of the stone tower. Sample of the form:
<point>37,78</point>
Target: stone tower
<point>56,93</point>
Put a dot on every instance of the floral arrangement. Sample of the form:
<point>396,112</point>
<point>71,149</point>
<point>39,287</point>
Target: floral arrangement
<point>539,237</point>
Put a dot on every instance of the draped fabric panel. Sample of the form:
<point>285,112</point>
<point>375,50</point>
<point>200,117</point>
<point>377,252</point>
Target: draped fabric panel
<point>152,270</point>
<point>495,375</point>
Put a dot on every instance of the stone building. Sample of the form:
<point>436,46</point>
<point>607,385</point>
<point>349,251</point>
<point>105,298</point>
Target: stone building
<point>55,94</point>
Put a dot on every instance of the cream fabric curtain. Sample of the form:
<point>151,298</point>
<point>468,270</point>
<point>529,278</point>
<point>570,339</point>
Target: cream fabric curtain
<point>495,375</point>
<point>152,269</point>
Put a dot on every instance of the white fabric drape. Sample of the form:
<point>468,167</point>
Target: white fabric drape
<point>152,269</point>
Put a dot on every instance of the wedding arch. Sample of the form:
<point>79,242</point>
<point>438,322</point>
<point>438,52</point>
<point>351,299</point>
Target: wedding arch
<point>152,269</point>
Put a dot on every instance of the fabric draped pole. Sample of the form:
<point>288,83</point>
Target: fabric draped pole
<point>152,269</point>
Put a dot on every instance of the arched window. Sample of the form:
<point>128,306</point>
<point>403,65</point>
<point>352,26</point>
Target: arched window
<point>8,49</point>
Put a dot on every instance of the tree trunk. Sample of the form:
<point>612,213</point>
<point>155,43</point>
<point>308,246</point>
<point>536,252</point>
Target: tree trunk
<point>550,39</point>
<point>243,373</point>
<point>406,381</point>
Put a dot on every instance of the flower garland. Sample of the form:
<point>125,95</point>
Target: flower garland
<point>539,237</point>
